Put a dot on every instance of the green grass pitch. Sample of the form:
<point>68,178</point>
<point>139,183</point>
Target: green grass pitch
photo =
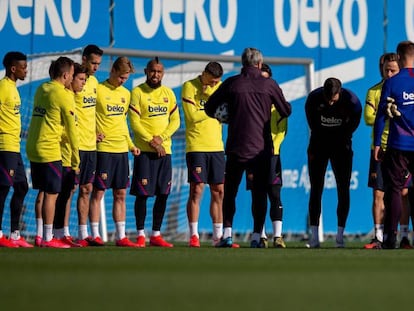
<point>296,278</point>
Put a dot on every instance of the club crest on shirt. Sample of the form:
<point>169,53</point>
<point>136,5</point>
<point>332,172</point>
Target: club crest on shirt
<point>165,99</point>
<point>123,100</point>
<point>11,173</point>
<point>104,176</point>
<point>144,181</point>
<point>198,169</point>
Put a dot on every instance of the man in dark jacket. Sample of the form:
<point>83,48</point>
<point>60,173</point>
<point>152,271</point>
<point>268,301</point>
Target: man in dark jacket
<point>249,98</point>
<point>333,114</point>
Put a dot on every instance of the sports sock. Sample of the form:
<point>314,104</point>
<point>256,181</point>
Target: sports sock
<point>340,234</point>
<point>120,230</point>
<point>66,231</point>
<point>58,233</point>
<point>227,232</point>
<point>1,233</point>
<point>194,229</point>
<point>379,232</point>
<point>277,228</point>
<point>314,234</point>
<point>48,232</point>
<point>404,231</point>
<point>256,236</point>
<point>155,233</point>
<point>39,227</point>
<point>15,235</point>
<point>82,232</point>
<point>95,229</point>
<point>217,231</point>
<point>263,234</point>
<point>141,232</point>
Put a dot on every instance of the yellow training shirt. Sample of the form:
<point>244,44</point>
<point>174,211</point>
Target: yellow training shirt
<point>370,110</point>
<point>85,111</point>
<point>153,112</point>
<point>53,107</point>
<point>202,133</point>
<point>10,123</point>
<point>111,111</point>
<point>278,127</point>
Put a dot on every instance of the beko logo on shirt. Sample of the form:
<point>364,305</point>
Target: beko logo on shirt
<point>157,109</point>
<point>39,111</point>
<point>330,121</point>
<point>115,108</point>
<point>408,96</point>
<point>89,100</point>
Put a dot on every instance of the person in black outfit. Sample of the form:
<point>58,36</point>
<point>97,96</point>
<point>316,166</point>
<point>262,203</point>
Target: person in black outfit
<point>249,98</point>
<point>333,114</point>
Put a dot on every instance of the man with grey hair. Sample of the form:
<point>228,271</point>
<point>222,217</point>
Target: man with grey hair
<point>249,98</point>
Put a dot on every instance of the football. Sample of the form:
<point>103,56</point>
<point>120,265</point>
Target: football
<point>222,114</point>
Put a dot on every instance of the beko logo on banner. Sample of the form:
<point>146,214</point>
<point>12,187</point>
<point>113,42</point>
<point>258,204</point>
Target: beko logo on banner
<point>42,12</point>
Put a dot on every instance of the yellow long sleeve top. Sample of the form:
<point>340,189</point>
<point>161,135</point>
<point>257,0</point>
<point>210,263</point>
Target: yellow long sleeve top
<point>86,114</point>
<point>111,112</point>
<point>153,112</point>
<point>53,108</point>
<point>370,111</point>
<point>202,133</point>
<point>10,122</point>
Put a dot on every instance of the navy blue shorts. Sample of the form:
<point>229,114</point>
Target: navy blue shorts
<point>152,174</point>
<point>206,167</point>
<point>112,171</point>
<point>275,173</point>
<point>47,177</point>
<point>87,167</point>
<point>375,180</point>
<point>11,168</point>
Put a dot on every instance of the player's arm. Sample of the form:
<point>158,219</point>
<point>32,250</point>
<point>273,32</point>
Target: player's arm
<point>380,117</point>
<point>282,105</point>
<point>356,112</point>
<point>370,108</point>
<point>191,113</point>
<point>219,97</point>
<point>68,116</point>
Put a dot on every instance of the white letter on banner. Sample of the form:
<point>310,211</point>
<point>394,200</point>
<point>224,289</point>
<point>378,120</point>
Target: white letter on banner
<point>309,14</point>
<point>147,30</point>
<point>355,41</point>
<point>48,7</point>
<point>23,26</point>
<point>195,12</point>
<point>223,34</point>
<point>173,31</point>
<point>409,19</point>
<point>286,37</point>
<point>76,29</point>
<point>329,20</point>
<point>4,9</point>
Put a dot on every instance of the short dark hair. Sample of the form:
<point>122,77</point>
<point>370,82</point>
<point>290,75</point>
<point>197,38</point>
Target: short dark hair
<point>405,48</point>
<point>266,68</point>
<point>155,60</point>
<point>92,49</point>
<point>215,69</point>
<point>11,57</point>
<point>78,68</point>
<point>59,66</point>
<point>331,87</point>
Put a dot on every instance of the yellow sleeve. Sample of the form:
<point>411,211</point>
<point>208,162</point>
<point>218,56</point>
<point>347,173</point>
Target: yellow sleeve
<point>134,113</point>
<point>371,104</point>
<point>68,116</point>
<point>279,128</point>
<point>174,123</point>
<point>190,102</point>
